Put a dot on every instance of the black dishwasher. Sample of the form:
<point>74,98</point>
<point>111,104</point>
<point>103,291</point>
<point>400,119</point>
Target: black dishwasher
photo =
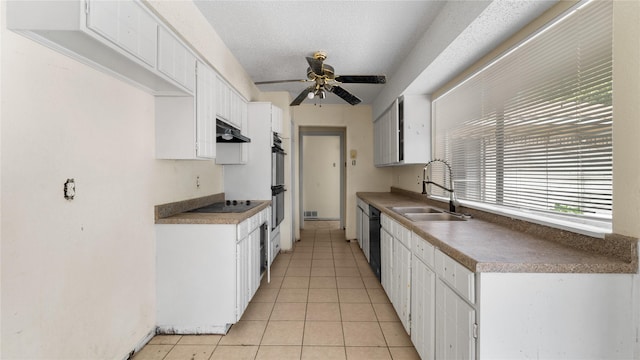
<point>374,240</point>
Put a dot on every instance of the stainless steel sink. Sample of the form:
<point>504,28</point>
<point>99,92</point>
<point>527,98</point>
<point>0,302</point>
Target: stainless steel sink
<point>433,217</point>
<point>415,210</point>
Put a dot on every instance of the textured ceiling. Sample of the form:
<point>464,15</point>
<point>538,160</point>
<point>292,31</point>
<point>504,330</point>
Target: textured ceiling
<point>271,38</point>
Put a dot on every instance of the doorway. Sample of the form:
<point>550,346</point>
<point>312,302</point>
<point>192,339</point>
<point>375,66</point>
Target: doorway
<point>322,177</point>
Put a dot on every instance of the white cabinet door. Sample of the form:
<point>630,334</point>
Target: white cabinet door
<point>455,322</point>
<point>276,119</point>
<point>386,259</point>
<point>175,60</point>
<point>205,112</point>
<point>128,25</point>
<point>422,308</point>
<point>359,225</point>
<point>365,235</point>
<point>401,283</point>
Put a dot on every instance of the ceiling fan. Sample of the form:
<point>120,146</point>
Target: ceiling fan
<point>325,81</point>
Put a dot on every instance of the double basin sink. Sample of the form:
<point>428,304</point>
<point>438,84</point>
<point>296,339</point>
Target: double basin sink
<point>426,213</point>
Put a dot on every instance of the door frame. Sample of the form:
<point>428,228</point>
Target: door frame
<point>323,131</point>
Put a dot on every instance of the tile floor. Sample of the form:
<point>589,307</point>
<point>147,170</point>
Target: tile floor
<point>323,302</point>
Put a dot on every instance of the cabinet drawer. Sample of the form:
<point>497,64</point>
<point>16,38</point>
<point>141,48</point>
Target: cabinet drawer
<point>402,234</point>
<point>457,276</point>
<point>385,222</point>
<point>423,250</point>
<point>243,229</point>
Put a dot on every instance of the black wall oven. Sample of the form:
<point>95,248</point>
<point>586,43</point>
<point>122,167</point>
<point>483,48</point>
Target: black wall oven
<point>277,181</point>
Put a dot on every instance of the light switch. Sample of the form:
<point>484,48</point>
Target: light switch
<point>354,154</point>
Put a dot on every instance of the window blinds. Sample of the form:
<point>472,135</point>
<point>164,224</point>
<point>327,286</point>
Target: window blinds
<point>533,130</point>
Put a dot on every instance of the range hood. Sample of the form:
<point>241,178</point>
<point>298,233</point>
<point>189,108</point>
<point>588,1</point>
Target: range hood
<point>226,133</point>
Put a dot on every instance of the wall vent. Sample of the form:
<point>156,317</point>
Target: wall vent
<point>313,214</point>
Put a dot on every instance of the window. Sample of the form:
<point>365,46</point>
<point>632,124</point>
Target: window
<point>533,129</point>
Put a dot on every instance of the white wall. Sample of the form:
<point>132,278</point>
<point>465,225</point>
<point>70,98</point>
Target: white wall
<point>78,277</point>
<point>360,177</point>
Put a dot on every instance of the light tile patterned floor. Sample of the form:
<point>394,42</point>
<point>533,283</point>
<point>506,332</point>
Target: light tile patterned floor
<point>323,302</point>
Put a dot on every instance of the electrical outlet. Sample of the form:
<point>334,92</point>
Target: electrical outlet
<point>69,189</point>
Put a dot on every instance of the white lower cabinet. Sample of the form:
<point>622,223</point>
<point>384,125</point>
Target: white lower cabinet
<point>423,280</point>
<point>206,274</point>
<point>455,325</point>
<point>401,283</point>
<point>386,260</point>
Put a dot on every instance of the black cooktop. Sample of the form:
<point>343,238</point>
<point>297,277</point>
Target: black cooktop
<point>229,206</point>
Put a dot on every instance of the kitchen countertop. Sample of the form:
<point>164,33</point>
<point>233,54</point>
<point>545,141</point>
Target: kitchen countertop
<point>483,246</point>
<point>176,212</point>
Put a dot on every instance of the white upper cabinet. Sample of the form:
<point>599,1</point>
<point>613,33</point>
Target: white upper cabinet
<point>117,37</point>
<point>276,119</point>
<point>186,126</point>
<point>128,25</point>
<point>205,112</point>
<point>402,134</point>
<point>175,60</point>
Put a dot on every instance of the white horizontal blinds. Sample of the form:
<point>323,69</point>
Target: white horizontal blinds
<point>533,129</point>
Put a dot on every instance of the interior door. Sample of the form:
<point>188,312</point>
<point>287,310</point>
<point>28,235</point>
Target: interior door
<point>321,177</point>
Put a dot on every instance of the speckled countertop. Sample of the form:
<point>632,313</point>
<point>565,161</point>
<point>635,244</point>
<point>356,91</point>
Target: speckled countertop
<point>176,212</point>
<point>485,246</point>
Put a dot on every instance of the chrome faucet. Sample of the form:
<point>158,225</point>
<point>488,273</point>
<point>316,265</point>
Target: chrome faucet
<point>453,201</point>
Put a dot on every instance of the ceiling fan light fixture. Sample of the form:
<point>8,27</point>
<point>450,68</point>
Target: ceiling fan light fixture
<point>311,95</point>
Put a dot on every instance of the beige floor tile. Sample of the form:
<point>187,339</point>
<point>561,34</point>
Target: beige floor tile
<point>307,248</point>
<point>295,282</point>
<point>279,271</point>
<point>322,282</point>
<point>300,263</point>
<point>368,353</point>
<point>357,312</point>
<point>200,340</point>
<point>323,271</point>
<point>165,339</point>
<point>298,271</point>
<point>153,352</point>
<point>323,295</point>
<point>234,353</point>
<point>289,311</point>
<point>265,295</point>
<point>327,255</point>
<point>276,282</point>
<point>350,263</point>
<point>366,272</point>
<point>191,352</point>
<point>349,282</point>
<point>385,312</point>
<point>258,311</point>
<point>283,333</point>
<point>293,295</point>
<point>347,271</point>
<point>321,243</point>
<point>394,334</point>
<point>323,353</point>
<point>279,353</point>
<point>323,311</point>
<point>302,255</point>
<point>363,333</point>
<point>371,282</point>
<point>353,296</point>
<point>322,263</point>
<point>378,296</point>
<point>403,353</point>
<point>244,333</point>
<point>328,333</point>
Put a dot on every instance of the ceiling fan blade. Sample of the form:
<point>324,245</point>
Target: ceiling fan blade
<point>279,81</point>
<point>303,95</point>
<point>345,95</point>
<point>315,65</point>
<point>362,79</point>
